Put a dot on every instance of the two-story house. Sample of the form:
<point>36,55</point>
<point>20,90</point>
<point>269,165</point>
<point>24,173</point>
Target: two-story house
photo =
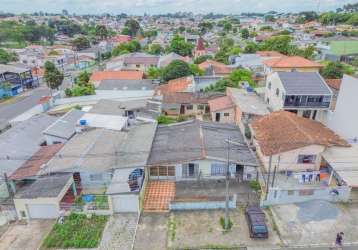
<point>290,64</point>
<point>303,93</point>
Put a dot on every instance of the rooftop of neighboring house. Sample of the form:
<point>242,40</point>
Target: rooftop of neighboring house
<point>120,38</point>
<point>33,165</point>
<point>144,84</point>
<point>112,107</point>
<point>216,67</point>
<point>141,58</point>
<point>303,83</point>
<point>189,97</point>
<point>248,102</point>
<point>21,141</point>
<point>269,54</point>
<point>117,75</point>
<point>220,103</point>
<point>168,58</point>
<point>344,47</point>
<point>13,68</point>
<point>198,140</point>
<point>175,85</point>
<point>65,126</point>
<point>54,186</point>
<point>284,131</point>
<point>291,62</point>
<point>334,83</point>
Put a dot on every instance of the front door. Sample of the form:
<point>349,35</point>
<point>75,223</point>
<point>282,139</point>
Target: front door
<point>182,109</point>
<point>191,170</point>
<point>217,117</point>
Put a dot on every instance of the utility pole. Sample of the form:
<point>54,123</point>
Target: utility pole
<point>274,171</point>
<point>268,177</point>
<point>227,186</point>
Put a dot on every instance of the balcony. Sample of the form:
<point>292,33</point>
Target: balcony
<point>314,102</point>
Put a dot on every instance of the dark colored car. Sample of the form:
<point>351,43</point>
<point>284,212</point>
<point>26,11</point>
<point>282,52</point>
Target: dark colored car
<point>257,222</point>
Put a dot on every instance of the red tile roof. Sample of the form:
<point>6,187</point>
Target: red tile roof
<point>120,39</point>
<point>283,131</point>
<point>175,85</point>
<point>334,83</point>
<point>32,166</point>
<point>218,68</point>
<point>269,54</point>
<point>220,103</point>
<point>117,75</point>
<point>291,62</point>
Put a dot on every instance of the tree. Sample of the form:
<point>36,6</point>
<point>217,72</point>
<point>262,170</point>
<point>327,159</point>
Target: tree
<point>154,73</point>
<point>179,46</point>
<point>52,76</point>
<point>250,48</point>
<point>270,18</point>
<point>355,62</point>
<point>245,34</point>
<point>133,27</point>
<point>83,78</point>
<point>155,49</point>
<point>124,48</point>
<point>101,32</point>
<point>195,70</point>
<point>201,59</point>
<point>227,27</point>
<point>234,80</point>
<point>281,44</point>
<point>81,43</point>
<point>333,70</point>
<point>176,69</point>
<point>6,57</point>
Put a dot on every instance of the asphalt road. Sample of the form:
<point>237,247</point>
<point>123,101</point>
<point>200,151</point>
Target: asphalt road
<point>22,103</point>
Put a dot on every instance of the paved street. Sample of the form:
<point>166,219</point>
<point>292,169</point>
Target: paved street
<point>26,101</point>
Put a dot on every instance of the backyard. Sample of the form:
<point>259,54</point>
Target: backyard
<point>77,231</point>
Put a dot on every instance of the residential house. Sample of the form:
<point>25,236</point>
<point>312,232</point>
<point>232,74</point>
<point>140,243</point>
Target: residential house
<point>99,76</point>
<point>343,119</point>
<point>334,85</point>
<point>139,61</point>
<point>165,60</point>
<point>213,68</point>
<point>290,64</point>
<point>187,103</point>
<point>290,148</point>
<point>19,76</point>
<point>64,128</point>
<point>196,150</point>
<point>304,93</point>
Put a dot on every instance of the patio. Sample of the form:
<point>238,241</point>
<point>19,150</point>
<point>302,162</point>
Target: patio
<point>158,195</point>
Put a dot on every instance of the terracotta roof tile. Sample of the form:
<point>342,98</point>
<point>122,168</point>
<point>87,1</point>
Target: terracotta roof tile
<point>283,131</point>
<point>117,75</point>
<point>218,68</point>
<point>32,166</point>
<point>291,62</point>
<point>175,85</point>
<point>334,83</point>
<point>220,103</point>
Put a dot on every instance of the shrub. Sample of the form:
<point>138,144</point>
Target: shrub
<point>222,223</point>
<point>255,185</point>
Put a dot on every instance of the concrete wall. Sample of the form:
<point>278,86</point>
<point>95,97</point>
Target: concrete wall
<point>275,102</point>
<point>224,119</point>
<point>344,120</point>
<point>288,160</point>
<point>278,196</point>
<point>88,183</point>
<point>50,139</point>
<point>201,205</point>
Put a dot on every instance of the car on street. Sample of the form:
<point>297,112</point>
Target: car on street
<point>256,221</point>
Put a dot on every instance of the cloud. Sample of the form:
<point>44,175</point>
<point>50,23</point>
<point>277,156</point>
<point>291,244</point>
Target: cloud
<point>165,6</point>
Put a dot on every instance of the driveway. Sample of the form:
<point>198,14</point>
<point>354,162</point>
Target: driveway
<point>152,232</point>
<point>316,222</point>
<point>119,232</point>
<point>26,237</point>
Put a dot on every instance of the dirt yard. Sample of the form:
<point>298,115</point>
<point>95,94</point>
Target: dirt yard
<point>26,237</point>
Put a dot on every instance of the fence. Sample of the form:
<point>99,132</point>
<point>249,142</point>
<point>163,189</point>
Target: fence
<point>201,203</point>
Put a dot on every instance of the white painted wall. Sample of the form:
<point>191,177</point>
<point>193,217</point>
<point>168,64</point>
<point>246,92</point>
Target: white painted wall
<point>275,102</point>
<point>344,119</point>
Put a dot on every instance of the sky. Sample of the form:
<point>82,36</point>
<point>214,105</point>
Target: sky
<point>167,6</point>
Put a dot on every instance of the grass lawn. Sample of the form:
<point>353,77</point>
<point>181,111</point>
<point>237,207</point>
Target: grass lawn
<point>78,231</point>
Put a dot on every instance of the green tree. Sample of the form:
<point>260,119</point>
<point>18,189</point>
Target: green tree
<point>333,70</point>
<point>52,76</point>
<point>155,49</point>
<point>195,70</point>
<point>154,73</point>
<point>201,59</point>
<point>83,78</point>
<point>133,27</point>
<point>241,75</point>
<point>125,48</point>
<point>227,27</point>
<point>281,44</point>
<point>245,34</point>
<point>250,48</point>
<point>179,46</point>
<point>176,69</point>
<point>6,57</point>
<point>81,43</point>
<point>355,62</point>
<point>102,32</point>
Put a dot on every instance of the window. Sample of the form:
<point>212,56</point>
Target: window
<point>201,107</point>
<point>96,177</point>
<point>290,192</point>
<point>226,114</point>
<point>306,114</point>
<point>306,159</point>
<point>190,170</point>
<point>23,214</point>
<point>189,107</point>
<point>162,171</point>
<point>218,169</point>
<point>137,65</point>
<point>268,100</point>
<point>269,85</point>
<point>277,92</point>
<point>306,192</point>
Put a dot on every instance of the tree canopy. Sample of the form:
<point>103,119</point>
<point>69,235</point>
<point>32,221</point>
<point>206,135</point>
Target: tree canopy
<point>133,27</point>
<point>176,69</point>
<point>180,46</point>
<point>6,57</point>
<point>52,76</point>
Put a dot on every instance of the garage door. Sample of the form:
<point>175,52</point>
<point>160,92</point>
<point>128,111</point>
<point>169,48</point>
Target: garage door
<point>42,211</point>
<point>125,203</point>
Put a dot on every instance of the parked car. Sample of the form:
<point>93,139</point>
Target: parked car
<point>256,222</point>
